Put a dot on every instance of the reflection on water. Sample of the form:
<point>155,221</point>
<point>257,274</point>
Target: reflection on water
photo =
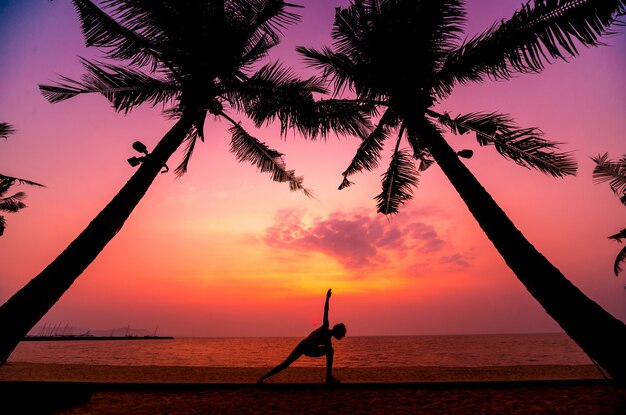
<point>384,351</point>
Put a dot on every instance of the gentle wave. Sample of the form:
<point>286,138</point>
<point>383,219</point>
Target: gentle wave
<point>367,351</point>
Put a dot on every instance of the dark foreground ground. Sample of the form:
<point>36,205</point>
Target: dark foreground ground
<point>87,390</point>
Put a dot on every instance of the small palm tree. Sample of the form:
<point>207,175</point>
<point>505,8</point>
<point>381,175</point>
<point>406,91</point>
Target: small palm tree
<point>14,202</point>
<point>615,172</point>
<point>400,59</point>
<point>9,203</point>
<point>195,57</point>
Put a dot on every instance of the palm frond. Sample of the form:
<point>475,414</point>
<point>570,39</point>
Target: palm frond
<point>619,236</point>
<point>368,154</point>
<point>5,184</point>
<point>525,146</point>
<point>126,40</point>
<point>12,203</point>
<point>621,256</point>
<point>342,117</point>
<point>272,76</point>
<point>265,17</point>
<point>534,36</point>
<point>8,181</point>
<point>255,26</point>
<point>197,131</point>
<point>348,65</point>
<point>397,183</point>
<point>249,149</point>
<point>613,171</point>
<point>354,63</point>
<point>276,92</point>
<point>184,164</point>
<point>255,50</point>
<point>336,67</point>
<point>375,40</point>
<point>420,153</point>
<point>6,130</point>
<point>124,87</point>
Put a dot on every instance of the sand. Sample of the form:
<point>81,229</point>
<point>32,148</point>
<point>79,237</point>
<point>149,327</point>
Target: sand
<point>85,389</point>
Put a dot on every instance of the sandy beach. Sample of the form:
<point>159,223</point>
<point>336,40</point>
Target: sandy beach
<point>89,389</point>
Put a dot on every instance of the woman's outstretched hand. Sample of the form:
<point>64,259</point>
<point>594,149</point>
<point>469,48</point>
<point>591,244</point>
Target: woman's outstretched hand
<point>328,293</point>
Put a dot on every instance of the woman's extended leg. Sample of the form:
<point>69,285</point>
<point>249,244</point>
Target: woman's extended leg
<point>295,354</point>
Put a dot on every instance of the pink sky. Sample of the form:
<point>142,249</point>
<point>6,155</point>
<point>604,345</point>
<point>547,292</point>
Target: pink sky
<point>223,251</point>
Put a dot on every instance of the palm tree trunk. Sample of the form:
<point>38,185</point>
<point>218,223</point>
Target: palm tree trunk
<point>598,333</point>
<point>26,307</point>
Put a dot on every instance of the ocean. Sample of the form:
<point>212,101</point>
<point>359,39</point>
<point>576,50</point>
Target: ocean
<point>366,351</point>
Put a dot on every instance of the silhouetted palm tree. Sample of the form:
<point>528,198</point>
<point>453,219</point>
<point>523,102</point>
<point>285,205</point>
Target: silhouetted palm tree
<point>14,202</point>
<point>398,58</point>
<point>195,57</point>
<point>615,172</point>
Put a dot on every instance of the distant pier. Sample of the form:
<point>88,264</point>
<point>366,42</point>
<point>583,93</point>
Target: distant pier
<point>84,337</point>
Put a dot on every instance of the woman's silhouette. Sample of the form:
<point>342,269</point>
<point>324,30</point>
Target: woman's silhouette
<point>316,344</point>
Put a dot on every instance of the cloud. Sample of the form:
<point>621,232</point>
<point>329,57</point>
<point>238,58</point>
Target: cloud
<point>455,259</point>
<point>357,239</point>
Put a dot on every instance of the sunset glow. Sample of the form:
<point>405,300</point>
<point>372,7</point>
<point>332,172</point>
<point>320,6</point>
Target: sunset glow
<point>224,251</point>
